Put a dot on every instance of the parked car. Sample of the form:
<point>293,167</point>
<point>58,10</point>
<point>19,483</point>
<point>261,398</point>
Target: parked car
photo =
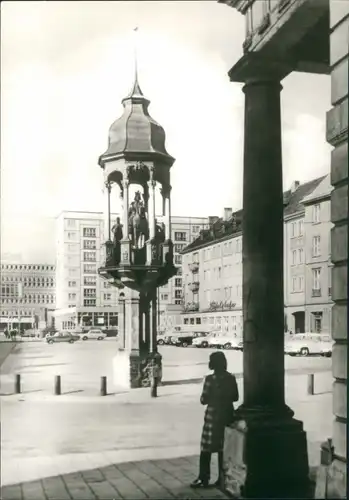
<point>203,340</point>
<point>240,346</point>
<point>160,339</point>
<point>94,333</point>
<point>187,339</point>
<point>224,340</point>
<point>307,344</point>
<point>62,337</point>
<point>29,333</point>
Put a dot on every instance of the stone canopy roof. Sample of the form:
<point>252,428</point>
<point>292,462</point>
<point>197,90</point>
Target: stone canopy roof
<point>221,230</point>
<point>136,131</point>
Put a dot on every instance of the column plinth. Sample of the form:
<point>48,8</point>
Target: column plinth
<point>265,452</point>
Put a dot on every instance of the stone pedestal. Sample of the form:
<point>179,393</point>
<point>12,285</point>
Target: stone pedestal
<point>266,459</point>
<point>132,365</point>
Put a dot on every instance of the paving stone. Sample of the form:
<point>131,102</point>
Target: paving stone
<point>55,488</point>
<point>11,492</point>
<point>111,472</point>
<point>125,466</point>
<point>92,476</point>
<point>104,490</point>
<point>33,490</point>
<point>127,489</point>
<point>77,487</point>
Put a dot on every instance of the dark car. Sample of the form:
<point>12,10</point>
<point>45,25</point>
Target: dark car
<point>62,337</point>
<point>187,338</point>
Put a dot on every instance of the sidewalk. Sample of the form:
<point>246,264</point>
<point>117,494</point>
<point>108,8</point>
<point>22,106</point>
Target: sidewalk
<point>160,478</point>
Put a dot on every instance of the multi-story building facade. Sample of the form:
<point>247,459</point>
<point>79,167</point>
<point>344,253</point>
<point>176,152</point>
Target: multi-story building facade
<point>212,266</point>
<point>318,291</point>
<point>28,294</point>
<point>81,293</point>
<point>297,234</point>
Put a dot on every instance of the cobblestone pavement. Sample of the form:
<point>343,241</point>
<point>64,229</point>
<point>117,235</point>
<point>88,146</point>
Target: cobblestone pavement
<point>153,479</point>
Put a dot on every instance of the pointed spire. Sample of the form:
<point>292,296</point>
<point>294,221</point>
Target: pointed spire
<point>136,91</point>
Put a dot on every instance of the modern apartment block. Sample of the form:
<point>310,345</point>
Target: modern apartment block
<point>28,294</point>
<point>81,293</point>
<point>212,265</point>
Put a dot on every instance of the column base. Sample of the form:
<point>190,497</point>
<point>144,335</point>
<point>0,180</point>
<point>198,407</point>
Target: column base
<point>131,370</point>
<point>266,459</point>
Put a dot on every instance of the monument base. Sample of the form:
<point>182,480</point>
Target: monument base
<point>132,370</point>
<point>266,459</point>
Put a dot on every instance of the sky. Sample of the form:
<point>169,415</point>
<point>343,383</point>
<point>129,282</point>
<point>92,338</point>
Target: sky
<point>65,67</point>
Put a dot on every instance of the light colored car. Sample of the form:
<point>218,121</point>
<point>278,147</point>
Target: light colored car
<point>226,341</point>
<point>307,344</point>
<point>93,334</point>
<point>62,337</point>
<point>204,340</point>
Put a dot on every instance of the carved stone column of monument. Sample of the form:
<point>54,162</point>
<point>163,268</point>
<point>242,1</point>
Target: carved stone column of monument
<point>153,331</point>
<point>151,208</point>
<point>265,451</point>
<point>107,220</point>
<point>125,257</point>
<point>167,214</point>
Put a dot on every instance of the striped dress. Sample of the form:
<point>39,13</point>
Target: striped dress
<point>219,392</point>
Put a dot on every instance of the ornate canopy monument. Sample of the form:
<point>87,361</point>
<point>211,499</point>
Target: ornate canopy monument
<point>139,250</point>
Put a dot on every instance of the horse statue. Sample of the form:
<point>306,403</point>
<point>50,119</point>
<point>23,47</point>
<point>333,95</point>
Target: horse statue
<point>138,223</point>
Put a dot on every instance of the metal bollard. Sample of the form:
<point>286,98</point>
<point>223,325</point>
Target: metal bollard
<point>18,384</point>
<point>154,387</point>
<point>103,391</point>
<point>311,384</point>
<point>57,385</point>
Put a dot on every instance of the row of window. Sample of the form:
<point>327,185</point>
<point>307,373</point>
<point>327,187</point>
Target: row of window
<point>30,282</point>
<point>12,313</point>
<point>297,227</point>
<point>88,281</point>
<point>298,282</point>
<point>27,300</point>
<point>227,248</point>
<point>226,293</point>
<point>26,267</point>
<point>90,293</point>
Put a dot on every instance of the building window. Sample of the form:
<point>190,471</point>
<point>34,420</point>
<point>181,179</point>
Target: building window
<point>300,255</point>
<point>178,247</point>
<point>89,269</point>
<point>300,228</point>
<point>293,230</point>
<point>316,214</point>
<point>316,246</point>
<point>73,271</point>
<point>90,256</point>
<point>294,284</point>
<point>178,294</point>
<point>89,232</point>
<point>107,296</point>
<point>89,280</point>
<point>317,322</point>
<point>89,292</point>
<point>71,296</point>
<point>178,302</point>
<point>196,229</point>
<point>294,257</point>
<point>71,236</point>
<point>90,244</point>
<point>178,282</point>
<point>180,236</point>
<point>300,283</point>
<point>71,284</point>
<point>316,275</point>
<point>178,259</point>
<point>106,284</point>
<point>71,222</point>
<point>89,302</point>
<point>164,296</point>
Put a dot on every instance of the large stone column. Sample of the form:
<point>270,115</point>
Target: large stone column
<point>265,450</point>
<point>107,221</point>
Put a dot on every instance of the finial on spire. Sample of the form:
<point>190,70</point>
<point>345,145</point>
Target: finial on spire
<point>135,48</point>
